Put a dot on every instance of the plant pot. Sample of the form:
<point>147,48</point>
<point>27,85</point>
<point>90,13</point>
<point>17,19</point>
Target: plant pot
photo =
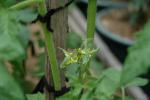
<point>117,43</point>
<point>108,33</point>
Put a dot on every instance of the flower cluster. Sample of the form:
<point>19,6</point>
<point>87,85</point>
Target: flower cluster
<point>80,56</point>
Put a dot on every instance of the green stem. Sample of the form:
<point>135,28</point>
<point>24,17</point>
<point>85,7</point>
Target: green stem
<point>91,19</point>
<point>51,50</point>
<point>123,93</point>
<point>24,4</point>
<point>52,57</point>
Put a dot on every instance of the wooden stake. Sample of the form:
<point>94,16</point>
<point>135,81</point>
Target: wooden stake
<point>59,23</point>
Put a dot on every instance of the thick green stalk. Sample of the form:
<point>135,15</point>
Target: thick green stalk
<point>91,16</point>
<point>91,19</point>
<point>51,50</point>
<point>24,4</point>
<point>52,56</point>
<point>123,93</point>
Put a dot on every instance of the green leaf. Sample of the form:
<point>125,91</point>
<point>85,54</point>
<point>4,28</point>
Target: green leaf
<point>10,47</point>
<point>137,61</point>
<point>10,90</point>
<point>23,35</point>
<point>109,76</point>
<point>67,96</point>
<point>137,82</point>
<point>112,74</point>
<point>37,96</point>
<point>26,15</point>
<point>76,85</point>
<point>87,96</point>
<point>120,98</point>
<point>76,92</point>
<point>7,3</point>
<point>96,66</point>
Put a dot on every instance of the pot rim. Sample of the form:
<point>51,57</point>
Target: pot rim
<point>103,30</point>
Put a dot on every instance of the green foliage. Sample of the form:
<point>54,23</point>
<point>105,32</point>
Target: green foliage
<point>119,98</point>
<point>137,82</point>
<point>137,62</point>
<point>14,38</point>
<point>26,15</point>
<point>104,89</point>
<point>37,96</point>
<point>10,90</point>
<point>10,47</point>
<point>7,3</point>
<point>93,87</point>
<point>14,35</point>
<point>97,66</point>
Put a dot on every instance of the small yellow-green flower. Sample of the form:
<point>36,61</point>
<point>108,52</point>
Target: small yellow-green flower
<point>80,56</point>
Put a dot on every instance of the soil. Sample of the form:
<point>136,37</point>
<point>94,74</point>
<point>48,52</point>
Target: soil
<point>118,21</point>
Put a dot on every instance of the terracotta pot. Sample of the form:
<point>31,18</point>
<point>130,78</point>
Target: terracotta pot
<point>107,32</point>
